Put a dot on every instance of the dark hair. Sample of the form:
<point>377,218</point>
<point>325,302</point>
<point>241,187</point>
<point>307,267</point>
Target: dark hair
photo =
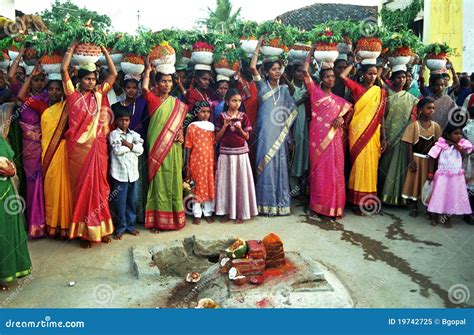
<point>200,73</point>
<point>267,65</point>
<point>397,73</point>
<point>423,102</point>
<point>322,72</point>
<point>130,80</point>
<point>340,60</point>
<point>120,110</point>
<point>464,82</point>
<point>160,75</point>
<point>366,67</point>
<point>81,73</point>
<point>450,128</point>
<point>245,70</point>
<point>230,93</point>
<point>435,77</point>
<point>198,105</point>
<point>446,75</point>
<point>223,81</point>
<point>59,82</point>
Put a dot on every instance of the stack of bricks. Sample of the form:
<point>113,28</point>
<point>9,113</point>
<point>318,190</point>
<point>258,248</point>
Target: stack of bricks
<point>274,249</point>
<point>254,263</point>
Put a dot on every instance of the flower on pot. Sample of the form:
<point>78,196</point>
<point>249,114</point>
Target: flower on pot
<point>437,51</point>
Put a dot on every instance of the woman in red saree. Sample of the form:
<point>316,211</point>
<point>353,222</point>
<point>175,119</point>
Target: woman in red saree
<point>164,208</point>
<point>326,149</point>
<point>86,141</point>
<point>366,138</point>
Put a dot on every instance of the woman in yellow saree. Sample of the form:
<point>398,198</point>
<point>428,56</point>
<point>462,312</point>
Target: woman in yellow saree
<point>366,138</point>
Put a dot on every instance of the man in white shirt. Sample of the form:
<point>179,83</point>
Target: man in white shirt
<point>126,146</point>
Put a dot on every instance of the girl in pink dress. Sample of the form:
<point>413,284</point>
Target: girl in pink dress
<point>449,194</point>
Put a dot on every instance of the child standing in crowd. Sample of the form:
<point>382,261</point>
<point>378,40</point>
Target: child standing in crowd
<point>126,145</point>
<point>235,196</point>
<point>449,177</point>
<point>419,136</point>
<point>199,146</point>
<point>468,132</point>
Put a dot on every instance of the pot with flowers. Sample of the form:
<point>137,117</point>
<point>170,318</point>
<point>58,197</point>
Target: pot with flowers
<point>134,49</point>
<point>89,41</point>
<point>436,56</point>
<point>115,55</point>
<point>203,50</point>
<point>247,32</point>
<point>400,46</point>
<point>50,50</point>
<point>326,44</point>
<point>163,57</point>
<point>345,29</point>
<point>300,49</point>
<point>276,38</point>
<point>227,60</point>
<point>369,44</point>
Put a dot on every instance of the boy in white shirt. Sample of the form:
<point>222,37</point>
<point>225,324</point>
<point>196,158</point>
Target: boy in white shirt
<point>126,146</point>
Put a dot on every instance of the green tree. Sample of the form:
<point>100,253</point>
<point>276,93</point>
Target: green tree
<point>59,12</point>
<point>222,19</point>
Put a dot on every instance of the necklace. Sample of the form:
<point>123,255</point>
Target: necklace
<point>273,93</point>
<point>87,107</point>
<point>134,103</point>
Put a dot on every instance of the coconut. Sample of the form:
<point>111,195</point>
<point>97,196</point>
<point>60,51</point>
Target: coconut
<point>225,264</point>
<point>193,277</point>
<point>238,249</point>
<point>207,303</point>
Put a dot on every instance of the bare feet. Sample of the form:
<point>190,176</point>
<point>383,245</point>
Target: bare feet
<point>196,221</point>
<point>134,232</point>
<point>225,219</point>
<point>239,221</point>
<point>209,219</point>
<point>86,244</point>
<point>154,231</point>
<point>106,239</point>
<point>118,237</point>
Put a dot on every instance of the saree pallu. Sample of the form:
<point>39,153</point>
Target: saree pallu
<point>14,255</point>
<point>86,141</point>
<point>57,188</point>
<point>164,208</point>
<point>300,159</point>
<point>31,127</point>
<point>364,144</point>
<point>394,162</point>
<point>327,184</point>
<point>276,114</point>
<point>15,140</point>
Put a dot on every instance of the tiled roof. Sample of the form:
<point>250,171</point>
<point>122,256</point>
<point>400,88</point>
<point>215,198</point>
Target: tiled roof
<point>307,17</point>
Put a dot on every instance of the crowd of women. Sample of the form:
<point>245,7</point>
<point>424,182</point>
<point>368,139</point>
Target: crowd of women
<point>342,133</point>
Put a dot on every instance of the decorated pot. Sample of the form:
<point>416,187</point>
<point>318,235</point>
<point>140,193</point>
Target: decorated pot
<point>399,60</point>
<point>12,54</point>
<point>168,59</point>
<point>166,68</point>
<point>436,64</point>
<point>365,54</point>
<point>326,56</point>
<point>186,60</point>
<point>271,51</point>
<point>202,57</point>
<point>225,71</point>
<point>51,68</point>
<point>116,58</point>
<point>131,68</point>
<point>249,46</point>
<point>86,53</point>
<point>344,48</point>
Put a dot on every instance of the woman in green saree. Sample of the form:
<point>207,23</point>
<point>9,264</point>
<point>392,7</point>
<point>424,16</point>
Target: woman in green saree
<point>394,162</point>
<point>14,256</point>
<point>164,208</point>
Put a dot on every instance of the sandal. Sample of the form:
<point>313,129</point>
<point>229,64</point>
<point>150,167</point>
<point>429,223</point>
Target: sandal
<point>134,232</point>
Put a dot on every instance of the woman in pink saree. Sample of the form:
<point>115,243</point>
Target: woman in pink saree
<point>326,150</point>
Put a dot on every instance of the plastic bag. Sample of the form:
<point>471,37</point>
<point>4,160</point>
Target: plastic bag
<point>426,193</point>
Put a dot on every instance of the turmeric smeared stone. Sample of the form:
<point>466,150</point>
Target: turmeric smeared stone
<point>238,249</point>
<point>256,249</point>
<point>275,252</point>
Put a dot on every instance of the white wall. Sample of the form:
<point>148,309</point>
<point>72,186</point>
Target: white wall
<point>468,36</point>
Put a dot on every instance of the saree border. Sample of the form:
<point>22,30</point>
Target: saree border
<point>55,139</point>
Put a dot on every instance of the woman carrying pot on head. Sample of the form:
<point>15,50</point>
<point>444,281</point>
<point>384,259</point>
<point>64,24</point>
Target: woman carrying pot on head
<point>86,139</point>
<point>394,161</point>
<point>276,114</point>
<point>366,136</point>
<point>164,208</point>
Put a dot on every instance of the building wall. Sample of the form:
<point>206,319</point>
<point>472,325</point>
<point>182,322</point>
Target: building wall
<point>443,22</point>
<point>468,36</point>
